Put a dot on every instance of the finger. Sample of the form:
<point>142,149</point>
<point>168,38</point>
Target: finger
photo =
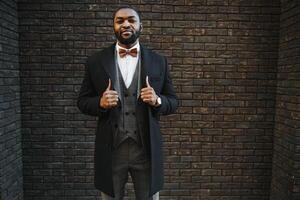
<point>111,93</point>
<point>148,92</point>
<point>147,101</point>
<point>109,96</point>
<point>112,102</point>
<point>147,81</point>
<point>109,85</point>
<point>147,97</point>
<point>147,89</point>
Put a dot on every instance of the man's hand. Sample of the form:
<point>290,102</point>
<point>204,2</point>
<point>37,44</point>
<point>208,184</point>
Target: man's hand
<point>109,98</point>
<point>148,94</point>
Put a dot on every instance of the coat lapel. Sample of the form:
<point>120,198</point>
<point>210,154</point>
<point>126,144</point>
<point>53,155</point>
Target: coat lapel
<point>145,67</point>
<point>109,62</point>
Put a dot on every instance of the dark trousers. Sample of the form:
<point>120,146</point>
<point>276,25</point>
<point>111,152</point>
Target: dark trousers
<point>130,158</point>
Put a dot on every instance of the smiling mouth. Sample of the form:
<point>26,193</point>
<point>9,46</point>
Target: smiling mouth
<point>126,33</point>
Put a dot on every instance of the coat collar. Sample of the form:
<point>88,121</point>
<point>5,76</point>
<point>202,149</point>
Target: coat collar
<point>108,61</point>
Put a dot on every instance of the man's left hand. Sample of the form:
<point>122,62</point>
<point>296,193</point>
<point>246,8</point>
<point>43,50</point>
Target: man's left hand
<point>148,94</point>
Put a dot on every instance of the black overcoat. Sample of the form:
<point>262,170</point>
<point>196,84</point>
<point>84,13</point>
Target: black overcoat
<point>100,67</point>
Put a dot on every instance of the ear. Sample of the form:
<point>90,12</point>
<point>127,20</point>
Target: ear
<point>141,27</point>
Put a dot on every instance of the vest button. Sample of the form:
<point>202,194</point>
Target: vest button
<point>133,113</point>
<point>126,113</point>
<point>116,125</point>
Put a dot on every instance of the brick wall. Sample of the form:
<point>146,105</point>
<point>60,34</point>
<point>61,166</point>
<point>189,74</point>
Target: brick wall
<point>11,180</point>
<point>286,162</point>
<point>223,60</point>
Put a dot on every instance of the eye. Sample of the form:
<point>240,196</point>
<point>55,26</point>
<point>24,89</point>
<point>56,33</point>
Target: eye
<point>119,21</point>
<point>132,20</point>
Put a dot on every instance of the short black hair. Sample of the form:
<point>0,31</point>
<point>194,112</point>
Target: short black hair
<point>127,7</point>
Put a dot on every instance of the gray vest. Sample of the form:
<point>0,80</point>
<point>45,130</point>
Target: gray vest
<point>127,123</point>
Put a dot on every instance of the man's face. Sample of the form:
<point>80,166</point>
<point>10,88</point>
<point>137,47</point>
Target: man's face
<point>127,26</point>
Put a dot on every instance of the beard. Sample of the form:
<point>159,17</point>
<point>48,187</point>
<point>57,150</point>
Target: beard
<point>127,41</point>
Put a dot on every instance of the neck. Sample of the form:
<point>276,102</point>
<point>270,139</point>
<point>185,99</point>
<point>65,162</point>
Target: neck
<point>128,46</point>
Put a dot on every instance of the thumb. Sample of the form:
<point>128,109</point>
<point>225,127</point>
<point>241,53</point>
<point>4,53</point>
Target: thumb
<point>147,81</point>
<point>109,85</point>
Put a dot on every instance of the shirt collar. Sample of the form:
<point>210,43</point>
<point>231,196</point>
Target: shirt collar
<point>137,46</point>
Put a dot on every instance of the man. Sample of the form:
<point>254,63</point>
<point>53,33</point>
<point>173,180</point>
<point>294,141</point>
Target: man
<point>127,86</point>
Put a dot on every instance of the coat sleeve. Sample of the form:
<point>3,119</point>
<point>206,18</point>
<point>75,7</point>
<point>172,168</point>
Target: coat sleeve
<point>88,99</point>
<point>168,96</point>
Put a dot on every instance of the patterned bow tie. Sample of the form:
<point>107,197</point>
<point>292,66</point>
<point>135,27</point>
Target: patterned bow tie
<point>124,52</point>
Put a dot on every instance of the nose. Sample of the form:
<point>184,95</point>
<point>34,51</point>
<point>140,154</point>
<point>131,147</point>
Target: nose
<point>125,24</point>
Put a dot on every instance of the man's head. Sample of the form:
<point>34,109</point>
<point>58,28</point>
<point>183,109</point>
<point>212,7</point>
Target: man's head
<point>127,25</point>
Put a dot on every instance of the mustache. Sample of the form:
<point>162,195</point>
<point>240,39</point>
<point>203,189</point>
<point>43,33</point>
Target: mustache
<point>126,30</point>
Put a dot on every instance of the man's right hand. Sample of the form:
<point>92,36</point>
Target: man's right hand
<point>109,98</point>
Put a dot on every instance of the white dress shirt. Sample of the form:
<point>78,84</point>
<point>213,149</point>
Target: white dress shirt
<point>127,64</point>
